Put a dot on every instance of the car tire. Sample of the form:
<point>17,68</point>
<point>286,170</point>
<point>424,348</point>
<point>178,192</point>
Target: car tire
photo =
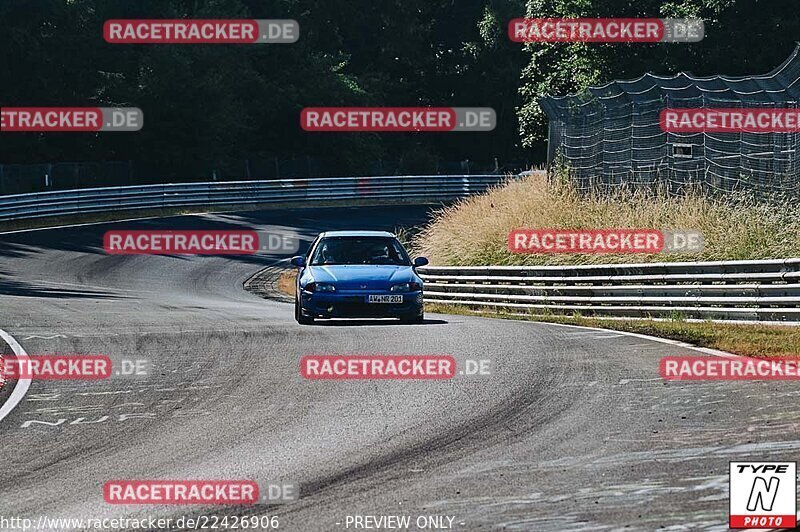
<point>298,315</point>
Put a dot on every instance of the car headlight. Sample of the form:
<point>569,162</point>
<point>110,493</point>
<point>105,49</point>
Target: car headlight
<point>319,287</point>
<point>406,287</point>
<point>325,287</point>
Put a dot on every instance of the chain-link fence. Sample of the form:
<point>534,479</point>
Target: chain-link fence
<point>610,136</point>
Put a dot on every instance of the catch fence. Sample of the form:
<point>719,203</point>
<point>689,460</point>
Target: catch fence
<point>609,136</point>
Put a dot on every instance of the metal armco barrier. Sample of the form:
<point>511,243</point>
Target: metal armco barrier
<point>767,290</point>
<point>93,200</point>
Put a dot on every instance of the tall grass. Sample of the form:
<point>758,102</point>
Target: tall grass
<point>475,230</point>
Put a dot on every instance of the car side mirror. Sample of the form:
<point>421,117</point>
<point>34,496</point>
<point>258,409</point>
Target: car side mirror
<point>298,261</point>
<point>420,261</point>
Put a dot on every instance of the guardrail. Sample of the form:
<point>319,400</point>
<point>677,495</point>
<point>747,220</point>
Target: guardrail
<point>767,290</point>
<point>233,193</point>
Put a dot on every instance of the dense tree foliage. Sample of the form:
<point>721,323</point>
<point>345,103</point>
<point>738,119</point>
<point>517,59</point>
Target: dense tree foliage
<point>212,106</point>
<point>742,37</point>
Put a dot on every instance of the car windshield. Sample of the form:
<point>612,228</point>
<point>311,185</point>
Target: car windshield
<point>360,250</point>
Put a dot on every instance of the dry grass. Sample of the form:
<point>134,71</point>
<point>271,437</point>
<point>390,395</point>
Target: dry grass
<point>759,341</point>
<point>285,282</point>
<point>474,231</point>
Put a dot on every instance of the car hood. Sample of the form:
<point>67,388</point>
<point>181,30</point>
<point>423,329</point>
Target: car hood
<point>361,276</point>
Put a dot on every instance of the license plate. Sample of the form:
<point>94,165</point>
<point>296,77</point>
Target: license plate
<point>384,299</point>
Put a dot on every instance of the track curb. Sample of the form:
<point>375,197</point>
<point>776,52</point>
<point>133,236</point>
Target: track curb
<point>22,385</point>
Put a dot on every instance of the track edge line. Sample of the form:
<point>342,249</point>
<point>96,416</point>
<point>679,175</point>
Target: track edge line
<point>22,385</point>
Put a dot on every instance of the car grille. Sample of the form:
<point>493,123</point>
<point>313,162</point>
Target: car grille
<point>361,309</point>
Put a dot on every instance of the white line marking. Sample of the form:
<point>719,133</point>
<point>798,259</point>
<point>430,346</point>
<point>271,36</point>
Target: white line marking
<point>684,345</point>
<point>706,350</point>
<point>714,352</point>
<point>626,381</point>
<point>22,385</point>
<point>687,320</point>
<point>644,346</point>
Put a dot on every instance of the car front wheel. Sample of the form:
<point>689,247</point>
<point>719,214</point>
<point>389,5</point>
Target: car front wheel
<point>298,315</point>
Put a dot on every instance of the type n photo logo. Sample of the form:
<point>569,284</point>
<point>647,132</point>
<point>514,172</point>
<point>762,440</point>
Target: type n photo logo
<point>763,495</point>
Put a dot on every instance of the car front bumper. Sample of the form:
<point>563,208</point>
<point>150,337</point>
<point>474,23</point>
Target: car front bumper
<point>353,304</point>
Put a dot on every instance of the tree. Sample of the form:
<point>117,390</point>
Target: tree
<point>741,38</point>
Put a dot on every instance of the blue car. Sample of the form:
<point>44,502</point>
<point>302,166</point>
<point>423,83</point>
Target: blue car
<point>358,274</point>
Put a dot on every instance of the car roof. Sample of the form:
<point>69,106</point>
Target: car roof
<point>357,233</point>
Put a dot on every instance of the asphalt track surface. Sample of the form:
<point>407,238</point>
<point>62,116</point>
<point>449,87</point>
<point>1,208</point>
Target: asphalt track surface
<point>573,430</point>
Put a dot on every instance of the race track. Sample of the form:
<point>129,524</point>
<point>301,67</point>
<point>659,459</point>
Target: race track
<point>574,429</point>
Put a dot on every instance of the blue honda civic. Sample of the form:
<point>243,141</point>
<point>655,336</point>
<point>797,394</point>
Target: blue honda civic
<point>358,274</point>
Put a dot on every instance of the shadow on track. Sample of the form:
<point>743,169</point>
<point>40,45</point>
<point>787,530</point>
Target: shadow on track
<point>366,322</point>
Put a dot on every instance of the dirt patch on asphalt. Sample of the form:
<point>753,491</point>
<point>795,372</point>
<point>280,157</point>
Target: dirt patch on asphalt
<point>275,282</point>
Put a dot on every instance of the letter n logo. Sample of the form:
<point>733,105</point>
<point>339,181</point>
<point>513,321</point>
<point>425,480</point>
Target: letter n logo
<point>763,494</point>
